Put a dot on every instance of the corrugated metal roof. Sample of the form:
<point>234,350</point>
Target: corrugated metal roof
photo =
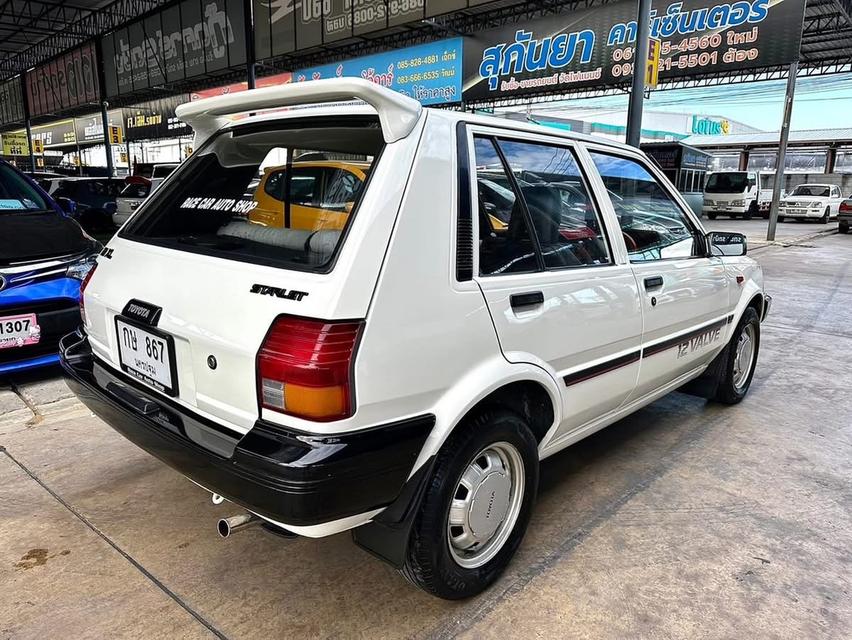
<point>811,136</point>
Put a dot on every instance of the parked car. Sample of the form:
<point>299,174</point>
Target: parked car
<point>133,194</point>
<point>844,216</point>
<point>160,171</point>
<point>736,193</point>
<point>95,198</point>
<point>321,194</point>
<point>403,376</point>
<point>819,202</point>
<point>44,256</point>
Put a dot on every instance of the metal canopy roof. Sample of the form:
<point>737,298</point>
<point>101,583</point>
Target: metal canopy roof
<point>33,31</point>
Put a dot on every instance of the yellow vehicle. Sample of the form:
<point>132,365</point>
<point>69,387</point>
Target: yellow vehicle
<point>321,194</point>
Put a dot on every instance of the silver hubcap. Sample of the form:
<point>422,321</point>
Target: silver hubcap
<point>744,356</point>
<point>485,505</point>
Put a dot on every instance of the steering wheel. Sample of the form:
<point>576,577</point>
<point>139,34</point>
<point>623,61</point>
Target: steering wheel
<point>630,242</point>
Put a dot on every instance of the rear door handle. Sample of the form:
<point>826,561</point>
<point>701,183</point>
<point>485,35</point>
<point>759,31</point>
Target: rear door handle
<point>528,299</point>
<point>653,282</point>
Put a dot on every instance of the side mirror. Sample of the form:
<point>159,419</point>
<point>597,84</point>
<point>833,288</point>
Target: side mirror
<point>68,206</point>
<point>725,243</point>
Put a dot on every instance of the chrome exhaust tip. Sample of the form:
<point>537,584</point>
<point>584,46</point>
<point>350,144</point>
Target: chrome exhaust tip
<point>235,524</point>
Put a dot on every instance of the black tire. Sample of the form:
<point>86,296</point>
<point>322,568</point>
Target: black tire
<point>780,218</point>
<point>726,391</point>
<point>752,211</point>
<point>826,215</point>
<point>843,228</point>
<point>711,216</point>
<point>430,564</point>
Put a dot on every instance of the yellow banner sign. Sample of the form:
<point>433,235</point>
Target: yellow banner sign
<point>15,144</point>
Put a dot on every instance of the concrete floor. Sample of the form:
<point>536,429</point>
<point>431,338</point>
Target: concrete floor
<point>686,520</point>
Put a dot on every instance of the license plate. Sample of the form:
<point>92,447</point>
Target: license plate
<point>147,355</point>
<point>19,330</point>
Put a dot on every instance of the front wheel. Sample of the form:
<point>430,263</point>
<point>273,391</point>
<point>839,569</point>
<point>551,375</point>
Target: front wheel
<point>711,216</point>
<point>476,507</point>
<point>826,215</point>
<point>780,218</point>
<point>741,359</point>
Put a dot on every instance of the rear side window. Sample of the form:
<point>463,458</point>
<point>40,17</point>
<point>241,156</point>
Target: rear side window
<point>274,193</point>
<point>535,211</point>
<point>654,227</point>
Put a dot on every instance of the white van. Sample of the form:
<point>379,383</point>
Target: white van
<point>735,193</point>
<point>395,355</point>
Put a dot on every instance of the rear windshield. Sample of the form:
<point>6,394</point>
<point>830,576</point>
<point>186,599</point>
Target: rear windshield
<point>726,183</point>
<point>277,193</point>
<point>135,190</point>
<point>162,170</point>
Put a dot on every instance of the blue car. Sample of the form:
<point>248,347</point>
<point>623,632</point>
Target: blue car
<point>44,257</point>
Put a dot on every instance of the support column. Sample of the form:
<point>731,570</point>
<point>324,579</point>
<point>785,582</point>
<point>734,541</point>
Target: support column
<point>637,89</point>
<point>782,150</point>
<point>830,159</point>
<point>27,123</point>
<point>744,159</point>
<point>107,146</point>
<point>250,71</point>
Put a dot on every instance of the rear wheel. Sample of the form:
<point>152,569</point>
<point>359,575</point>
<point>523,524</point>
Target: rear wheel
<point>742,350</point>
<point>476,507</point>
<point>843,227</point>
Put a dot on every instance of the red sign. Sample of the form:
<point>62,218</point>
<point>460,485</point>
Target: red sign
<point>268,81</point>
<point>68,81</point>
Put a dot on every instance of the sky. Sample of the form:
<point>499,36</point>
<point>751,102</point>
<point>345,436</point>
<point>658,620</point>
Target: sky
<point>820,102</point>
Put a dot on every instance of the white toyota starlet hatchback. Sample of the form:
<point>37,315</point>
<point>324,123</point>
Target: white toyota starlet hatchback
<point>380,318</point>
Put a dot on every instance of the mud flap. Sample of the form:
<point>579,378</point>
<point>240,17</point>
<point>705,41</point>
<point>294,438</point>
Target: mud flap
<point>387,536</point>
<point>706,385</point>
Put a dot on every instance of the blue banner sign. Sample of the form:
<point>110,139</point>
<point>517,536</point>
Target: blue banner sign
<point>430,73</point>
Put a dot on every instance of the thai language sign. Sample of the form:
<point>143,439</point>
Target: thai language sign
<point>15,144</point>
<point>185,40</point>
<point>68,81</point>
<point>430,73</point>
<point>284,26</point>
<point>11,102</point>
<point>596,47</point>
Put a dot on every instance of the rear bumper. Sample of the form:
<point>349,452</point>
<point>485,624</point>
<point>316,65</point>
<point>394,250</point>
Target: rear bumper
<point>290,477</point>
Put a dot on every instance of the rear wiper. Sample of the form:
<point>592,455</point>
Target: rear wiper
<point>221,244</point>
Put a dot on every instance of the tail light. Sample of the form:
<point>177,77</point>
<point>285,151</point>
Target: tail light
<point>83,286</point>
<point>846,206</point>
<point>304,368</point>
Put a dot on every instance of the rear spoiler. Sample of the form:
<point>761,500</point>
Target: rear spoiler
<point>397,113</point>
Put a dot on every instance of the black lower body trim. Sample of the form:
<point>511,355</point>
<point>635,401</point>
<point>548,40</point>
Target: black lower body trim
<point>634,356</point>
<point>603,367</point>
<point>671,343</point>
<point>285,475</point>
